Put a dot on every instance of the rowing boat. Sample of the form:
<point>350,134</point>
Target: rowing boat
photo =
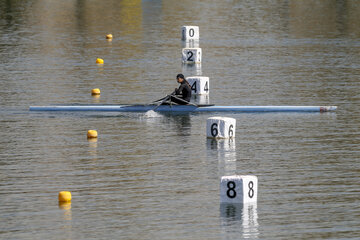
<point>182,108</point>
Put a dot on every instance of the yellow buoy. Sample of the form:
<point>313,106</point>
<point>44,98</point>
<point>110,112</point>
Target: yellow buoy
<point>99,61</point>
<point>64,196</point>
<point>109,36</point>
<point>95,91</point>
<point>92,134</point>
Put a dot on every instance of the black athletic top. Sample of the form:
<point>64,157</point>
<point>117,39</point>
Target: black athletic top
<point>184,90</point>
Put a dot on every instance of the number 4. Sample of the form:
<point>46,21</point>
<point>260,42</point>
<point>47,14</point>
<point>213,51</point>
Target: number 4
<point>206,88</point>
<point>193,87</point>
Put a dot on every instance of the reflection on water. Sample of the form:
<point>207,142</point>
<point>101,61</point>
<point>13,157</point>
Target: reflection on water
<point>93,146</point>
<point>65,207</point>
<point>239,220</point>
<point>201,99</point>
<point>95,98</point>
<point>193,69</point>
<point>225,151</point>
<point>192,43</point>
<point>177,122</point>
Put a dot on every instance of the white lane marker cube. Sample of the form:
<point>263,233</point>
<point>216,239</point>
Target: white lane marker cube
<point>190,32</point>
<point>238,189</point>
<point>199,85</point>
<point>220,127</point>
<point>191,55</point>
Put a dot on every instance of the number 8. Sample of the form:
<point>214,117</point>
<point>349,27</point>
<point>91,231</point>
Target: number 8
<point>251,189</point>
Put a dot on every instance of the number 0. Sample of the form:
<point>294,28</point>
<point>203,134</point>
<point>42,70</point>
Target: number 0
<point>191,32</point>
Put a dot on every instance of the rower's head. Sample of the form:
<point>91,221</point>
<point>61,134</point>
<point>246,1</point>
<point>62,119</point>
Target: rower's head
<point>180,78</point>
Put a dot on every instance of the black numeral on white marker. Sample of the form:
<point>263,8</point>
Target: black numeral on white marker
<point>191,32</point>
<point>214,130</point>
<point>190,55</point>
<point>251,189</point>
<point>231,193</point>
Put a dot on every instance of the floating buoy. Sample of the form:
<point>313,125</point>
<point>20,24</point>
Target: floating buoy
<point>92,134</point>
<point>99,61</point>
<point>190,32</point>
<point>238,189</point>
<point>109,36</point>
<point>64,196</point>
<point>199,85</point>
<point>220,127</point>
<point>191,55</point>
<point>95,91</point>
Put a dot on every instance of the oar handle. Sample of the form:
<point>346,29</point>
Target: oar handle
<point>161,99</point>
<point>166,98</point>
<point>189,103</point>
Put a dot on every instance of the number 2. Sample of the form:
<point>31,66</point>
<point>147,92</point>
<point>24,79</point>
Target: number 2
<point>190,55</point>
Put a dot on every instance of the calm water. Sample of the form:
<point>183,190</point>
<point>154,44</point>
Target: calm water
<point>158,178</point>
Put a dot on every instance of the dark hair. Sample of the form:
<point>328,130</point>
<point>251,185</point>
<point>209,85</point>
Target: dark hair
<point>180,76</point>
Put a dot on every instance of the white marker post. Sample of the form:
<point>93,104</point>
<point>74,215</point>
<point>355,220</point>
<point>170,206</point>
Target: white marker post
<point>238,189</point>
<point>220,127</point>
<point>191,55</point>
<point>190,33</point>
<point>199,85</point>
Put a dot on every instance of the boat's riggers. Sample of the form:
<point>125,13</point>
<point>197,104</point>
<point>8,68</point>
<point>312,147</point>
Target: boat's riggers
<point>183,108</point>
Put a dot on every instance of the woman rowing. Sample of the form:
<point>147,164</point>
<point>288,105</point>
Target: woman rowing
<point>183,93</point>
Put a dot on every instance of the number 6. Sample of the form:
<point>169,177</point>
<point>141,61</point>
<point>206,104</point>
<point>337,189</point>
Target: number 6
<point>231,132</point>
<point>214,130</point>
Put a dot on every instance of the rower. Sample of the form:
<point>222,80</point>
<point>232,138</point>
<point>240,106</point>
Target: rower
<point>183,93</point>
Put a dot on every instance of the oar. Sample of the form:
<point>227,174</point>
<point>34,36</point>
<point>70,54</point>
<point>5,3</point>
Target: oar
<point>165,99</point>
<point>189,103</point>
<point>161,99</point>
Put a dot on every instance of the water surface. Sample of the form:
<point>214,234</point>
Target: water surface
<point>158,177</point>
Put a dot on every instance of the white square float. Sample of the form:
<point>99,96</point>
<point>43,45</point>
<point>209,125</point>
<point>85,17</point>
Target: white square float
<point>191,55</point>
<point>199,85</point>
<point>190,32</point>
<point>238,189</point>
<point>220,127</point>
